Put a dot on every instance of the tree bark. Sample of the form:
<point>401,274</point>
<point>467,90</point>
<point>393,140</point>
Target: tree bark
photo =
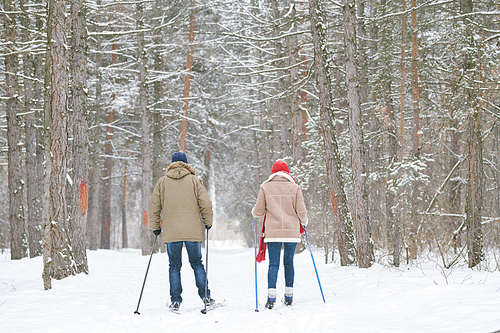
<point>146,234</point>
<point>34,171</point>
<point>124,203</point>
<point>106,184</point>
<point>106,180</point>
<point>474,196</point>
<point>295,98</point>
<point>187,80</point>
<point>416,132</point>
<point>15,179</point>
<point>39,104</point>
<point>281,126</point>
<point>361,226</point>
<point>159,162</point>
<point>95,170</point>
<point>61,256</point>
<point>78,223</point>
<point>47,248</point>
<point>342,221</point>
<point>394,203</point>
<point>303,107</point>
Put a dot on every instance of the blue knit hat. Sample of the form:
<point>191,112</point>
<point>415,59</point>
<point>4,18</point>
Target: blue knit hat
<point>179,157</point>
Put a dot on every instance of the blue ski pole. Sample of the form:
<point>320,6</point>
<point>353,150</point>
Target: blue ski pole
<point>317,276</point>
<point>255,258</point>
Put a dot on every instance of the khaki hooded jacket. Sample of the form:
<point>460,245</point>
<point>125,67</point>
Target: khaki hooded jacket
<point>280,198</point>
<point>177,201</point>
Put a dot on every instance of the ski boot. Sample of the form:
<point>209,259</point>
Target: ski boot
<point>270,303</point>
<point>208,301</point>
<point>174,306</point>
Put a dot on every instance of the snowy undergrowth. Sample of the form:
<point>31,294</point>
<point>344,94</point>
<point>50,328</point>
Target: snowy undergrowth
<point>418,298</point>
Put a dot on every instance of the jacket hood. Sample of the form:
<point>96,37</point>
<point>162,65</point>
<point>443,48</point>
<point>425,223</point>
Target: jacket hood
<point>178,170</point>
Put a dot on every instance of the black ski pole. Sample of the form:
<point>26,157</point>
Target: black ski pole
<point>152,250</point>
<point>204,311</point>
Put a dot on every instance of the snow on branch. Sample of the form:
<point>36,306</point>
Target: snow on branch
<point>270,70</point>
<point>120,129</point>
<point>265,39</point>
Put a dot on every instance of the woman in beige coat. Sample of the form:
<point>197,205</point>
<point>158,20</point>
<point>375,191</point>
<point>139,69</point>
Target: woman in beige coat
<point>281,204</point>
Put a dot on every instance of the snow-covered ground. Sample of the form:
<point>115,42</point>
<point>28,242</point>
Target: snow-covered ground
<point>420,298</point>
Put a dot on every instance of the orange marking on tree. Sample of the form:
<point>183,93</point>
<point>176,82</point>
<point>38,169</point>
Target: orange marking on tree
<point>334,204</point>
<point>145,219</point>
<point>84,197</point>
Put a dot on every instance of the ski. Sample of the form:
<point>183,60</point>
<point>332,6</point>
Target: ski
<point>211,307</point>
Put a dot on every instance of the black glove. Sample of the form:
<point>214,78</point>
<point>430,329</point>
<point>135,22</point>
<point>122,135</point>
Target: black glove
<point>208,227</point>
<point>157,232</point>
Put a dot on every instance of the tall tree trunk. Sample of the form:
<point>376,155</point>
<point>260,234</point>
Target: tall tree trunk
<point>187,79</point>
<point>106,184</point>
<point>124,203</point>
<point>416,132</point>
<point>303,107</point>
<point>342,221</point>
<point>295,102</point>
<point>453,199</point>
<point>392,209</point>
<point>47,248</point>
<point>39,104</point>
<point>474,198</point>
<point>396,152</point>
<point>363,92</point>
<point>158,122</point>
<point>78,223</point>
<point>93,214</point>
<point>15,179</point>
<point>282,140</point>
<point>33,176</point>
<point>393,201</point>
<point>361,226</point>
<point>403,86</point>
<point>62,256</point>
<point>106,180</point>
<point>145,145</point>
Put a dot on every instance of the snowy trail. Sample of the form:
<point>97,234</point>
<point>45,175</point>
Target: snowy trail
<point>379,299</point>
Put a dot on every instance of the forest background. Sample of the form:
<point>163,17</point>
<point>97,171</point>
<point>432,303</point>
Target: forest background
<point>386,111</point>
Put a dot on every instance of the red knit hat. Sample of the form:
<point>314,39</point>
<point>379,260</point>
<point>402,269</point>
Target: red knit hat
<point>280,165</point>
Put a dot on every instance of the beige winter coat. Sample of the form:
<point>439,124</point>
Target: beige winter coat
<point>176,203</point>
<point>280,198</point>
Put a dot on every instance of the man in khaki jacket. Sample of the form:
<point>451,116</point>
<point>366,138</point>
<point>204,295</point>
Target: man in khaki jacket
<point>180,203</point>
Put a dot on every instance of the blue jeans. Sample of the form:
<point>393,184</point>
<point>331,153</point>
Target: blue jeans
<point>274,250</point>
<point>174,251</point>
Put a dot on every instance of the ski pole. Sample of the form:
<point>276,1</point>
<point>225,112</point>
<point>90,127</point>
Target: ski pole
<point>255,257</point>
<point>152,250</point>
<point>314,264</point>
<point>204,311</point>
